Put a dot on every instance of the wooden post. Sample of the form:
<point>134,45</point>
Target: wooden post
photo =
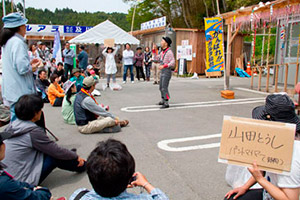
<point>259,79</point>
<point>276,78</point>
<point>296,75</point>
<point>252,77</point>
<point>286,76</point>
<point>228,58</point>
<point>268,78</point>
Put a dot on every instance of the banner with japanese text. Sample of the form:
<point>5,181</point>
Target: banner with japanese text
<point>214,44</point>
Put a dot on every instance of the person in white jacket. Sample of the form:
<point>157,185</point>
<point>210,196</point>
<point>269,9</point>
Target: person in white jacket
<point>110,63</point>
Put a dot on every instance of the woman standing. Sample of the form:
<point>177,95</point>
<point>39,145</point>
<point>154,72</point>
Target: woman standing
<point>33,54</point>
<point>148,62</point>
<point>110,63</point>
<point>138,63</point>
<point>17,67</point>
<point>155,64</point>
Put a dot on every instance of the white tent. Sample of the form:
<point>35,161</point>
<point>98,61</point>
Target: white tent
<point>102,31</point>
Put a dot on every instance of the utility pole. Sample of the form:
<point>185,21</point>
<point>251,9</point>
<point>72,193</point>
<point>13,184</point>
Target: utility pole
<point>218,8</point>
<point>12,6</point>
<point>133,16</point>
<point>3,8</point>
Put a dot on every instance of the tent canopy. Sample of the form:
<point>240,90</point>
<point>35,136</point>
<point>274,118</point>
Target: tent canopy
<point>102,31</point>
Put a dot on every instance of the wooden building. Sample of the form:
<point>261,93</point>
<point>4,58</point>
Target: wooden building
<point>196,38</point>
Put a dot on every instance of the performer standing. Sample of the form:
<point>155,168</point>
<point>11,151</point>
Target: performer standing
<point>167,62</point>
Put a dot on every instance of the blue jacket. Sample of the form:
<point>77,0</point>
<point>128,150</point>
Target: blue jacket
<point>17,72</point>
<point>83,60</point>
<point>15,190</point>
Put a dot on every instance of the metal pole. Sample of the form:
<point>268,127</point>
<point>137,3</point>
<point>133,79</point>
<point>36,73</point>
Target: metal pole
<point>3,8</point>
<point>228,58</point>
<point>12,6</point>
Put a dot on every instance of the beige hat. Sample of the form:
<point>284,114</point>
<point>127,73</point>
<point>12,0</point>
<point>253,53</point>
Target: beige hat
<point>89,81</point>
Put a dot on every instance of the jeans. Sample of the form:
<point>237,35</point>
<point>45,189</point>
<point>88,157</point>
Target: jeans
<point>126,67</point>
<point>58,102</point>
<point>148,70</point>
<point>68,68</point>
<point>50,163</point>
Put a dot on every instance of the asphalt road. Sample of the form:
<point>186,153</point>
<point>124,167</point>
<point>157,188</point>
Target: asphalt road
<point>196,110</point>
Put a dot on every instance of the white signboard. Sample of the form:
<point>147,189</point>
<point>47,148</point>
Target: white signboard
<point>185,52</point>
<point>160,22</point>
<point>36,29</point>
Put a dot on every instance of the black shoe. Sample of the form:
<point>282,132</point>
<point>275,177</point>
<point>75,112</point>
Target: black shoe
<point>166,105</point>
<point>155,83</point>
<point>161,103</point>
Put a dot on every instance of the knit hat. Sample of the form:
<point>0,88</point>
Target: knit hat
<point>89,81</point>
<point>14,20</point>
<point>278,107</point>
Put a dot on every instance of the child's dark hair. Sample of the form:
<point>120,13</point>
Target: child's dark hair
<point>110,168</point>
<point>27,106</point>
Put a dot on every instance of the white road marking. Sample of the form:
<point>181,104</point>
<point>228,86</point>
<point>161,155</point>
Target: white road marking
<point>148,108</point>
<point>253,91</point>
<point>164,145</point>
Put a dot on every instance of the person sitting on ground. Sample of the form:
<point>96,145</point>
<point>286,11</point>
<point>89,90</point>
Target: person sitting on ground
<point>16,190</point>
<point>55,92</point>
<point>88,70</point>
<point>42,85</point>
<point>77,78</point>
<point>90,116</point>
<point>111,169</point>
<point>68,102</point>
<point>278,107</point>
<point>60,72</point>
<point>31,154</point>
<point>97,79</point>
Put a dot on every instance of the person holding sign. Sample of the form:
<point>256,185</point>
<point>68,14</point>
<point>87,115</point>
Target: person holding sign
<point>167,62</point>
<point>280,108</point>
<point>110,63</point>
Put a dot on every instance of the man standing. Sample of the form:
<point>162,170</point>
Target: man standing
<point>90,117</point>
<point>68,55</point>
<point>128,55</point>
<point>82,58</point>
<point>167,62</point>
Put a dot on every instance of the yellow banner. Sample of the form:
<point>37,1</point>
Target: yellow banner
<point>214,44</point>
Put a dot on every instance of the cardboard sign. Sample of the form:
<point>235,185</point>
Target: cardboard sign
<point>109,42</point>
<point>268,143</point>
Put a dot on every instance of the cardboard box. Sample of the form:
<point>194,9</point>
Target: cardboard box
<point>227,94</point>
<point>268,143</point>
<point>109,42</point>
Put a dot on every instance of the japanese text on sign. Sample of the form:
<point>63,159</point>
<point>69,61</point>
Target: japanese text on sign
<point>268,143</point>
<point>214,44</point>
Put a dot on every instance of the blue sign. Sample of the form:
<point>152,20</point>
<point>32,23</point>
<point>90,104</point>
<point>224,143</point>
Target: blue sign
<point>76,29</point>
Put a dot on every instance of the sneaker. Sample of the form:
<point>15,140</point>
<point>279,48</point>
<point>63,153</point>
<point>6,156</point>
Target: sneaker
<point>132,81</point>
<point>124,82</point>
<point>160,103</point>
<point>166,105</point>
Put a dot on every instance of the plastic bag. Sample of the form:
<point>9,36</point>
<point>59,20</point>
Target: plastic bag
<point>237,176</point>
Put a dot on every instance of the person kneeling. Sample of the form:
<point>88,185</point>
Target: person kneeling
<point>17,190</point>
<point>111,169</point>
<point>90,116</point>
<point>31,155</point>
